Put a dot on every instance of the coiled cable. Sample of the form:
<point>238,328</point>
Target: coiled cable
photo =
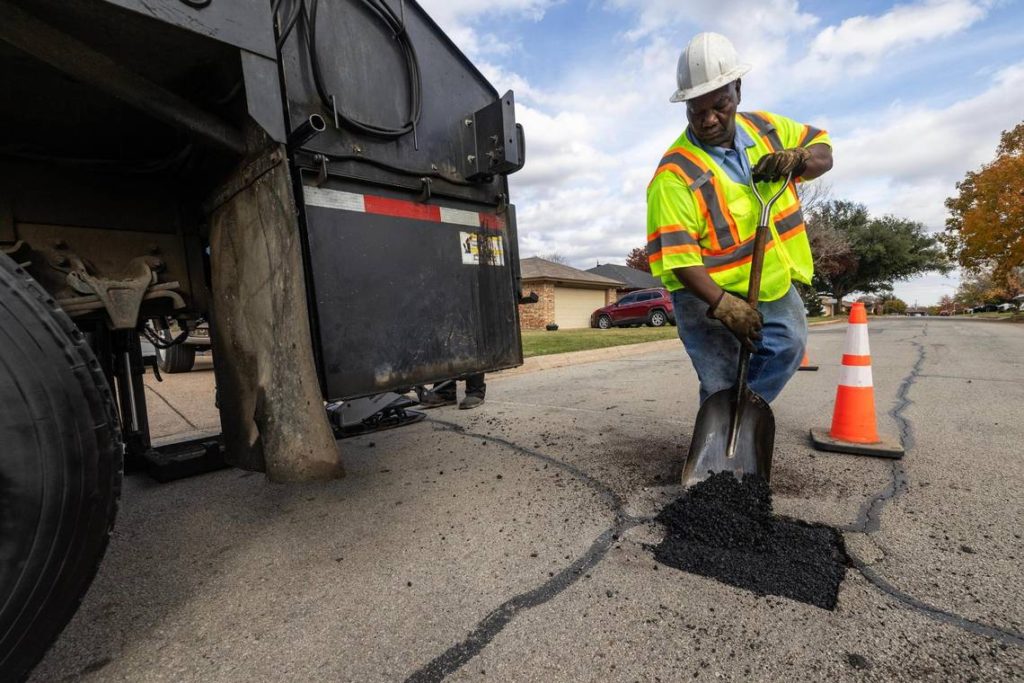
<point>396,25</point>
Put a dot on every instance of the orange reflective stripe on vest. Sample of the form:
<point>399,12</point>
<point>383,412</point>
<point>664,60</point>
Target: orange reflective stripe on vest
<point>809,135</point>
<point>701,180</point>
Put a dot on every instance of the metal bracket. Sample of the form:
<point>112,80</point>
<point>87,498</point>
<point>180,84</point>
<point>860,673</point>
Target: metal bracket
<point>427,190</point>
<point>321,161</point>
<point>121,296</point>
<point>492,142</point>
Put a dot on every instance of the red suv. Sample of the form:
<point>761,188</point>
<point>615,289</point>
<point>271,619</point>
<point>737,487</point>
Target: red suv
<point>645,306</point>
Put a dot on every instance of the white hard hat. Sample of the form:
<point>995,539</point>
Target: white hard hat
<point>707,63</point>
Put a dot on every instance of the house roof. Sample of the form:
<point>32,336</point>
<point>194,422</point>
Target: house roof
<point>634,279</point>
<point>535,268</point>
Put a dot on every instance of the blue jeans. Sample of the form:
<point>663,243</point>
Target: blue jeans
<point>715,352</point>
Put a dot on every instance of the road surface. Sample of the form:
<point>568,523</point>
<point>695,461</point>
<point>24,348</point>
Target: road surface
<point>511,542</point>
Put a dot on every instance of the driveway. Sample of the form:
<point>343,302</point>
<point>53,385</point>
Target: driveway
<point>512,542</point>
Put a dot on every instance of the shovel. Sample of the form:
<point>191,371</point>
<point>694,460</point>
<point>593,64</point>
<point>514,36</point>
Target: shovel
<point>735,429</point>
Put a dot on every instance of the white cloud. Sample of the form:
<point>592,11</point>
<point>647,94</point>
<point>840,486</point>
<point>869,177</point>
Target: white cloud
<point>458,18</point>
<point>908,160</point>
<point>859,45</point>
<point>596,130</point>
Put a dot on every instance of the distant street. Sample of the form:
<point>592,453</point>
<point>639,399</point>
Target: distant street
<point>511,543</point>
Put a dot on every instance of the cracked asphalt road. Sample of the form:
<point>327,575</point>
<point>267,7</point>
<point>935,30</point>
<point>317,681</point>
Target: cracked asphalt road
<point>511,542</point>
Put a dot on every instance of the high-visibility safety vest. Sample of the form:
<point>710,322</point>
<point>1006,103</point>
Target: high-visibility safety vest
<point>698,215</point>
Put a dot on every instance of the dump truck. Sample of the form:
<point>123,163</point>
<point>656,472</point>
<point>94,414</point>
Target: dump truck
<point>323,182</point>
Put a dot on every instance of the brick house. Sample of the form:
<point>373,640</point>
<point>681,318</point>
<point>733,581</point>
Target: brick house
<point>567,295</point>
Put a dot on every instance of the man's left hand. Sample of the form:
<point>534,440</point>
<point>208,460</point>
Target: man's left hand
<point>777,165</point>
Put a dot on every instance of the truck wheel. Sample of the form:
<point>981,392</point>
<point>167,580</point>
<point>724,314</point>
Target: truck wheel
<point>60,469</point>
<point>178,358</point>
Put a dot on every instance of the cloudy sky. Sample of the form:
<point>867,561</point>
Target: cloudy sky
<point>914,95</point>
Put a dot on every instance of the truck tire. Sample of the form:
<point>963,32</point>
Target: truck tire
<point>60,469</point>
<point>178,358</point>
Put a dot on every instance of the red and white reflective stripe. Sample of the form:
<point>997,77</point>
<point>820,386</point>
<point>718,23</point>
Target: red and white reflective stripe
<point>857,351</point>
<point>399,208</point>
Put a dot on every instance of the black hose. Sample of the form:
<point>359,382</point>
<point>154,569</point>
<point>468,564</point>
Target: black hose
<point>397,27</point>
<point>286,28</point>
<point>160,342</point>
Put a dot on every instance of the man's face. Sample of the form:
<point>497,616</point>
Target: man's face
<point>712,116</point>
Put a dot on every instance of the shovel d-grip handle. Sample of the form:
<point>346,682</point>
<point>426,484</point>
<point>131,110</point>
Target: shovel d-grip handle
<point>761,238</point>
<point>753,298</point>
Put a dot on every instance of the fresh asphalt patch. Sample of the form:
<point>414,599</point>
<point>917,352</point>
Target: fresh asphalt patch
<point>724,529</point>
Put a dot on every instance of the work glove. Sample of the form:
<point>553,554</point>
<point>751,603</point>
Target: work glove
<point>742,319</point>
<point>777,165</point>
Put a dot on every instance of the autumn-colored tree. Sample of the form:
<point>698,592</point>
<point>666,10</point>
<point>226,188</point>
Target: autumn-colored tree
<point>638,259</point>
<point>980,287</point>
<point>985,228</point>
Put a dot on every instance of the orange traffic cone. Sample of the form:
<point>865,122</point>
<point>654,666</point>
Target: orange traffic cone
<point>854,429</point>
<point>805,364</point>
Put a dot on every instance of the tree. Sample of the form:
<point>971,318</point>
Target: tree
<point>946,304</point>
<point>638,259</point>
<point>554,257</point>
<point>881,250</point>
<point>830,247</point>
<point>980,287</point>
<point>893,305</point>
<point>813,195</point>
<point>985,228</point>
<point>812,302</point>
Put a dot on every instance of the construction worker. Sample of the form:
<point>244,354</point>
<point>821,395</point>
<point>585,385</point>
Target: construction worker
<point>702,215</point>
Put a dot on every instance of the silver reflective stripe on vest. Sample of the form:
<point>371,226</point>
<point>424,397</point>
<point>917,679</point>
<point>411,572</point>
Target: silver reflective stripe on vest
<point>695,177</point>
<point>765,129</point>
<point>811,133</point>
<point>676,238</point>
<point>783,226</point>
<point>794,220</point>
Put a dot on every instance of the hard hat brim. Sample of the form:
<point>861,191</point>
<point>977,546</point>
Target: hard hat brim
<point>713,84</point>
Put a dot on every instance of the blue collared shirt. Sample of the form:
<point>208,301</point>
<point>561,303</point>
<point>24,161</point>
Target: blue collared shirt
<point>733,161</point>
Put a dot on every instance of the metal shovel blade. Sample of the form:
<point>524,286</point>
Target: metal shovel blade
<point>709,447</point>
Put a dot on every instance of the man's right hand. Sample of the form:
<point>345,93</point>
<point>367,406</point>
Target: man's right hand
<point>742,319</point>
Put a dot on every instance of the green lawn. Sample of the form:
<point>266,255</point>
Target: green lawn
<point>1012,316</point>
<point>542,342</point>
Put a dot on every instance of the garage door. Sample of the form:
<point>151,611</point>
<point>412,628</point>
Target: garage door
<point>574,306</point>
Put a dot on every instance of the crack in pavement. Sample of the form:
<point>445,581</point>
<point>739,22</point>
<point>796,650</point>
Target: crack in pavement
<point>168,404</point>
<point>869,519</point>
<point>458,655</point>
<point>868,522</point>
<point>1003,635</point>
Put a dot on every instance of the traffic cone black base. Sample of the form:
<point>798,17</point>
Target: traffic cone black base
<point>805,364</point>
<point>886,448</point>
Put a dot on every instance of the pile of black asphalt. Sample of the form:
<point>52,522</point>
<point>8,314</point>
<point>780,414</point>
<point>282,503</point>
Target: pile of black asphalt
<point>724,529</point>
